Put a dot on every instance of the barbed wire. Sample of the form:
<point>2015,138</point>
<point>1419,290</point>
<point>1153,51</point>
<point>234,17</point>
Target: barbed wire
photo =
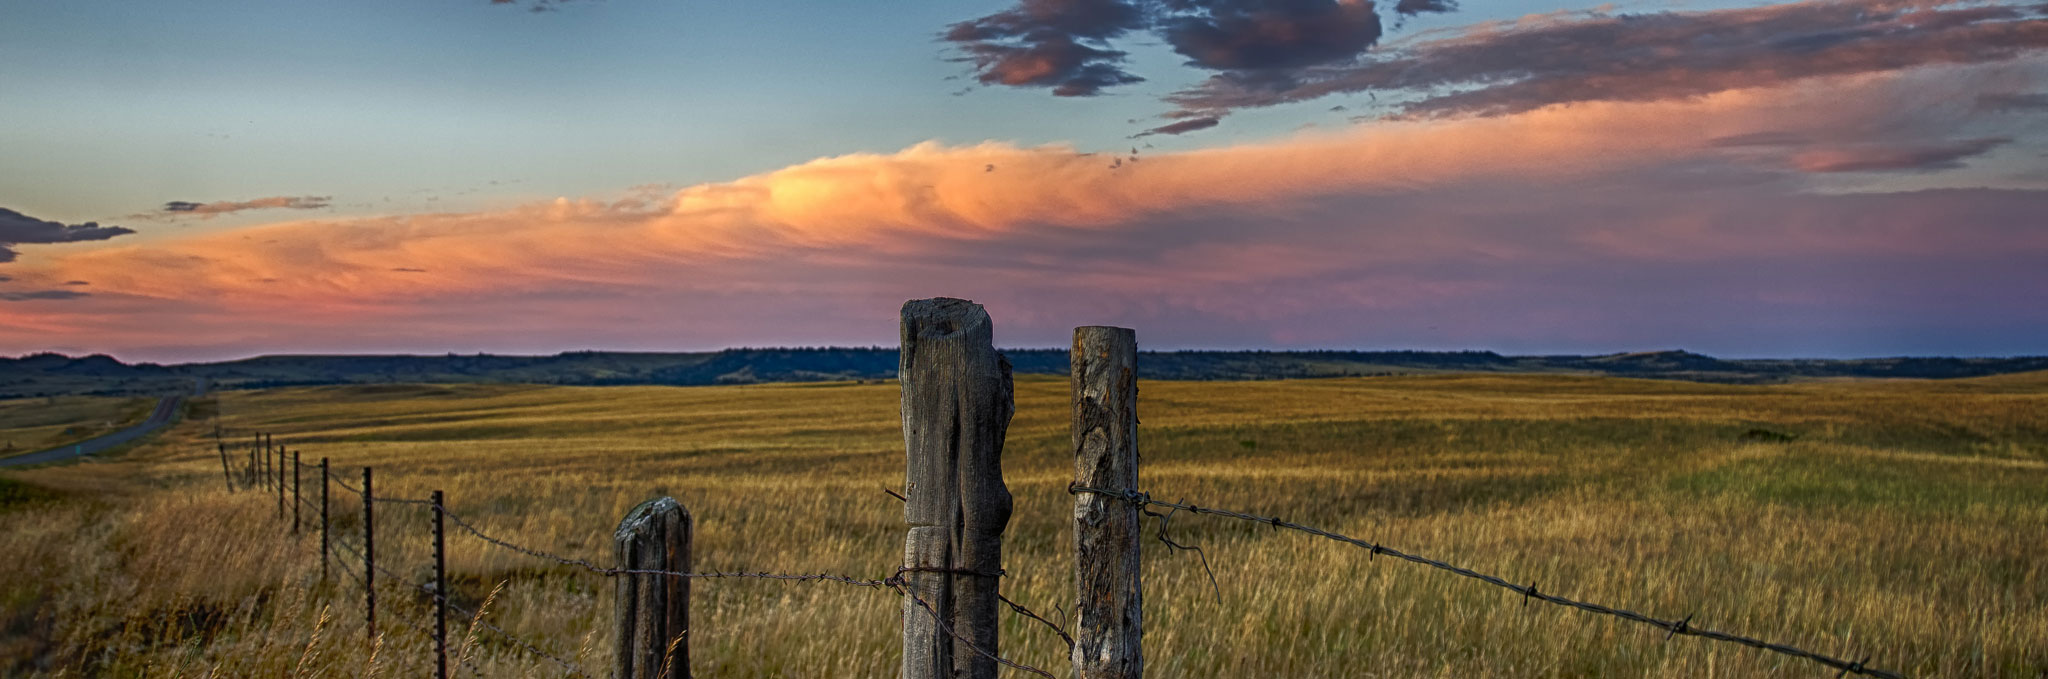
<point>1528,592</point>
<point>440,598</point>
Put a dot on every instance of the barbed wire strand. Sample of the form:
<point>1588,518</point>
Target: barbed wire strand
<point>1672,627</point>
<point>438,597</point>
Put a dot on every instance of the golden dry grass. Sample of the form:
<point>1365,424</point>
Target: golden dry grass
<point>1905,521</point>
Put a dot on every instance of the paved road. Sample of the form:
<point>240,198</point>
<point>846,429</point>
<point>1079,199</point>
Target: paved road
<point>165,409</point>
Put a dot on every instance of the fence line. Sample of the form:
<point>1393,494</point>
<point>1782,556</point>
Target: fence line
<point>894,581</point>
<point>1528,592</point>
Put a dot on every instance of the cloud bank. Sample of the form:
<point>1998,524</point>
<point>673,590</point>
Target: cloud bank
<point>1606,225</point>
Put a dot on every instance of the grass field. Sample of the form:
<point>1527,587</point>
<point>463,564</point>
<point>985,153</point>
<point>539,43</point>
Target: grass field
<point>1901,520</point>
<point>28,425</point>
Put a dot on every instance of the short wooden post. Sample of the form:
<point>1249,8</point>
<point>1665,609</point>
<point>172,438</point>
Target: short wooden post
<point>1108,612</point>
<point>440,592</point>
<point>258,443</point>
<point>956,409</point>
<point>226,472</point>
<point>323,519</point>
<point>653,611</point>
<point>369,557</point>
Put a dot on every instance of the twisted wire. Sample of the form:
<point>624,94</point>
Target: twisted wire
<point>1528,592</point>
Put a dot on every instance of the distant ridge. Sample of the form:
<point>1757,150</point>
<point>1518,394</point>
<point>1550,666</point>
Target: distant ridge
<point>48,374</point>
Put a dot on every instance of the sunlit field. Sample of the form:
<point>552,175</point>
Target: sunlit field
<point>1904,521</point>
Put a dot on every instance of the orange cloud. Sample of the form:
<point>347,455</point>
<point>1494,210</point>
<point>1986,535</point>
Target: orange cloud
<point>977,213</point>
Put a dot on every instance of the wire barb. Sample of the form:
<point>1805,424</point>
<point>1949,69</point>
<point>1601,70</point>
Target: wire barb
<point>1674,627</point>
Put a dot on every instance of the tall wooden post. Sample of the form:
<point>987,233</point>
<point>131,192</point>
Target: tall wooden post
<point>258,443</point>
<point>1108,614</point>
<point>653,611</point>
<point>956,409</point>
<point>295,493</point>
<point>278,479</point>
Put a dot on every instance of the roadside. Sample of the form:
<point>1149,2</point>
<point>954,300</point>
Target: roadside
<point>166,411</point>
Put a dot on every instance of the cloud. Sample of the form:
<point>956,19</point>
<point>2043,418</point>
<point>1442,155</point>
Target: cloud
<point>1061,44</point>
<point>1259,35</point>
<point>1181,127</point>
<point>1601,225</point>
<point>407,269</point>
<point>1505,68</point>
<point>34,295</point>
<point>2013,102</point>
<point>17,229</point>
<point>1887,158</point>
<point>1066,45</point>
<point>77,283</point>
<point>208,210</point>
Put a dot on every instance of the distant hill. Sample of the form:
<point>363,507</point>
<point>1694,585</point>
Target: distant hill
<point>48,374</point>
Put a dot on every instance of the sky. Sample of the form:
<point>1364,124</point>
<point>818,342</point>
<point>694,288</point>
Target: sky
<point>1819,178</point>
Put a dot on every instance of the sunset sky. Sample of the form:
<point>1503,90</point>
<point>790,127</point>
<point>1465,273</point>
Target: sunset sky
<point>209,180</point>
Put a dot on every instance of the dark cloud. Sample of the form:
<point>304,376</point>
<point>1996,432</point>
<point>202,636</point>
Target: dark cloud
<point>17,229</point>
<point>77,283</point>
<point>1065,44</point>
<point>407,269</point>
<point>1895,158</point>
<point>228,206</point>
<point>1061,44</point>
<point>1647,57</point>
<point>1181,127</point>
<point>1414,7</point>
<point>1231,35</point>
<point>2013,102</point>
<point>40,295</point>
<point>537,6</point>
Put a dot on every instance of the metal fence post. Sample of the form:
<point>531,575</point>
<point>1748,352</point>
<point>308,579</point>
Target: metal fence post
<point>1108,625</point>
<point>653,611</point>
<point>440,591</point>
<point>225,471</point>
<point>369,557</point>
<point>323,519</point>
<point>956,409</point>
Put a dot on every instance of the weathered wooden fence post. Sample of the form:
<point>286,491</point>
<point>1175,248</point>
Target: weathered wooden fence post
<point>956,409</point>
<point>252,461</point>
<point>369,557</point>
<point>296,501</point>
<point>278,478</point>
<point>653,611</point>
<point>1108,614</point>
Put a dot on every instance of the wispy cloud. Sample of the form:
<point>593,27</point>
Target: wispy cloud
<point>1889,157</point>
<point>19,229</point>
<point>36,295</point>
<point>207,210</point>
<point>1504,68</point>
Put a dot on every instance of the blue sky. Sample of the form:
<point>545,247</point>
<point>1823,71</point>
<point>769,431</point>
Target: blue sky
<point>483,172</point>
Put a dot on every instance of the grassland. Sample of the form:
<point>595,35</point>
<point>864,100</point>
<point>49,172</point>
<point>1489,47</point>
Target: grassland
<point>31,424</point>
<point>1902,520</point>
